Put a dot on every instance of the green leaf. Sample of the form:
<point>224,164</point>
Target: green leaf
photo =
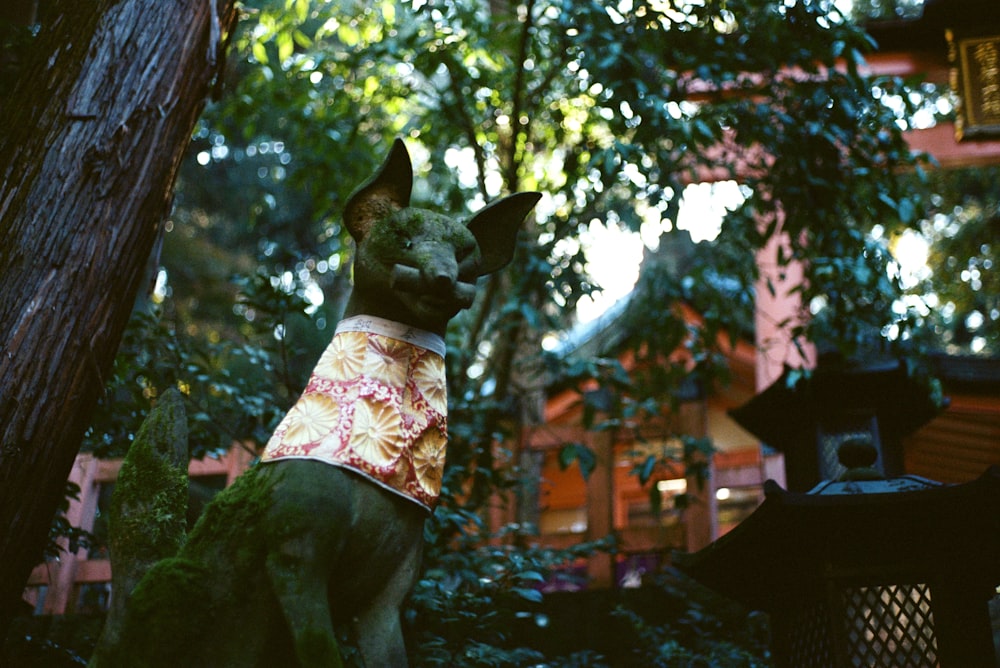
<point>582,455</point>
<point>907,211</point>
<point>259,52</point>
<point>646,470</point>
<point>286,46</point>
<point>302,39</point>
<point>532,595</point>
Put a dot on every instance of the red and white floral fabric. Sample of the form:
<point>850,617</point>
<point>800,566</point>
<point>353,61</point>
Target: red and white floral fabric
<point>377,404</point>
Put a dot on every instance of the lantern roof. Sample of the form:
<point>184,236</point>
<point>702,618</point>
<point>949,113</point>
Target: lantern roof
<point>806,414</point>
<point>785,415</point>
<point>873,531</point>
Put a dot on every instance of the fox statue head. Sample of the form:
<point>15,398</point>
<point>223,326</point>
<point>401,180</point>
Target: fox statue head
<point>416,266</point>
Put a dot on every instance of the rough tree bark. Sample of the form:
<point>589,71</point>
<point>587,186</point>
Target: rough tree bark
<point>90,143</point>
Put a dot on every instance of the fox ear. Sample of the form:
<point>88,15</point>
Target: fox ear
<point>495,228</point>
<point>388,191</point>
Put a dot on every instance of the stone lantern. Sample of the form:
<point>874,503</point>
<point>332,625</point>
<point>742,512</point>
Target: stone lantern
<point>867,571</point>
<point>807,417</point>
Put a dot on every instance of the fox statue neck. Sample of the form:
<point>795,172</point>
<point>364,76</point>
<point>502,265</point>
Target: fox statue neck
<point>394,329</point>
<point>377,405</point>
<point>388,307</point>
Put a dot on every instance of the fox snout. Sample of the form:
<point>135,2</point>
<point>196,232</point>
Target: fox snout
<point>441,276</point>
<point>439,280</point>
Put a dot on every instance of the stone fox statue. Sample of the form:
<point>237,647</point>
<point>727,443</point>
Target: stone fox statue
<point>329,525</point>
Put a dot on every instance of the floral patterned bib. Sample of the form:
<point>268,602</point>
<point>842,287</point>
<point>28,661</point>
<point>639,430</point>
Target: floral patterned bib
<point>377,404</point>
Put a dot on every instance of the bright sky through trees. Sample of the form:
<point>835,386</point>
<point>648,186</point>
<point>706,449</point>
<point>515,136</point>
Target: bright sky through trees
<point>613,255</point>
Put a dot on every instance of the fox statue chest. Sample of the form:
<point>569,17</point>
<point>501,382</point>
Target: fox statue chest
<point>375,404</point>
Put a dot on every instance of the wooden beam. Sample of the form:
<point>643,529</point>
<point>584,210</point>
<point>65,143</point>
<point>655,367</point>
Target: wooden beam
<point>931,65</point>
<point>939,141</point>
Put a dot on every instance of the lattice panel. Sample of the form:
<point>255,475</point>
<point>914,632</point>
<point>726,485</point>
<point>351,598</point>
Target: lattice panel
<point>808,637</point>
<point>890,626</point>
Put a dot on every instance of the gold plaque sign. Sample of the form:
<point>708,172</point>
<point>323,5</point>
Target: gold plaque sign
<point>976,81</point>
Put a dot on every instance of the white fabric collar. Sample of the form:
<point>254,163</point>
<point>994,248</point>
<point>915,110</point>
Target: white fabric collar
<point>394,330</point>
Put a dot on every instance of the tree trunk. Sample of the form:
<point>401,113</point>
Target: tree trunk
<point>91,140</point>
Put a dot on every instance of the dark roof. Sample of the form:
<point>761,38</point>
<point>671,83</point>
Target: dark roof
<point>927,33</point>
<point>794,543</point>
<point>971,373</point>
<point>787,413</point>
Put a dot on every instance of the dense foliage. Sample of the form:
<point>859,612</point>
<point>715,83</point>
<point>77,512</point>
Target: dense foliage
<point>608,108</point>
<point>958,293</point>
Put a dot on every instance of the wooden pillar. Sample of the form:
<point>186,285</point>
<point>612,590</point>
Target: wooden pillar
<point>773,468</point>
<point>600,506</point>
<point>774,306</point>
<point>700,517</point>
<point>237,460</point>
<point>502,508</point>
<point>81,513</point>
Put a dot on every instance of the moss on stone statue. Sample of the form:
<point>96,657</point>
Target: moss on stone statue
<point>233,519</point>
<point>187,587</point>
<point>149,506</point>
<point>147,517</point>
<point>183,599</point>
<point>162,604</point>
<point>386,241</point>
